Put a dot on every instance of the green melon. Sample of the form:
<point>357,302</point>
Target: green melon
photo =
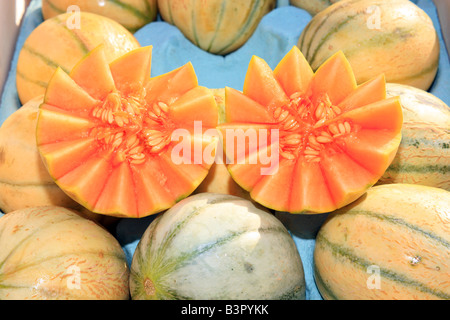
<point>212,246</point>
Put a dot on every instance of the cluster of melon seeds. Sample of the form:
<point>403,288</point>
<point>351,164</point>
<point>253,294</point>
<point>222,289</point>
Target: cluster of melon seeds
<point>336,138</point>
<point>306,127</point>
<point>132,127</point>
<point>105,133</point>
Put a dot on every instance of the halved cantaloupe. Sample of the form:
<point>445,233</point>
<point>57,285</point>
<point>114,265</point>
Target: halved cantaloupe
<point>301,141</point>
<point>106,133</point>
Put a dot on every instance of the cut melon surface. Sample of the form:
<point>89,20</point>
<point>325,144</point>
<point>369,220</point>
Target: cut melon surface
<point>335,138</point>
<point>122,143</point>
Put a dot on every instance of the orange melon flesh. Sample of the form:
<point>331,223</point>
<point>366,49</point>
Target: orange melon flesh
<point>271,188</point>
<point>298,77</point>
<point>130,74</point>
<point>170,86</point>
<point>243,142</point>
<point>259,75</point>
<point>249,168</point>
<point>185,174</point>
<point>118,192</point>
<point>151,183</point>
<point>248,106</point>
<point>184,110</point>
<point>65,93</point>
<point>345,177</point>
<point>62,126</point>
<point>335,78</point>
<point>64,156</point>
<point>93,75</point>
<point>370,148</point>
<point>87,180</point>
<point>384,114</point>
<point>336,139</point>
<point>369,92</point>
<point>105,133</point>
<point>309,191</point>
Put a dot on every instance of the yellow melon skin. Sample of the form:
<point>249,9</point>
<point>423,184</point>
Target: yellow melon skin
<point>63,41</point>
<point>132,14</point>
<point>312,6</point>
<point>52,253</point>
<point>219,181</point>
<point>391,244</point>
<point>396,38</point>
<point>216,26</point>
<point>24,181</point>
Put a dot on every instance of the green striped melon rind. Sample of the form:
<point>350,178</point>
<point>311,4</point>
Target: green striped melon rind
<point>423,156</point>
<point>375,216</point>
<point>142,16</point>
<point>312,6</point>
<point>348,255</point>
<point>57,23</point>
<point>405,50</point>
<point>35,258</point>
<point>212,246</point>
<point>55,44</point>
<point>211,40</point>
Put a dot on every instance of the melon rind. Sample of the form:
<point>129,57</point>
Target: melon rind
<point>212,246</point>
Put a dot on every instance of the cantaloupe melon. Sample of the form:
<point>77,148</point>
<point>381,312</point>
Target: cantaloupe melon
<point>391,244</point>
<point>122,143</point>
<point>61,42</point>
<point>395,37</point>
<point>302,141</point>
<point>216,247</point>
<point>52,253</point>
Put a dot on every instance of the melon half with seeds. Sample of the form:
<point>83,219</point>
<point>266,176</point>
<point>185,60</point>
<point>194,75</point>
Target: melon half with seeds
<point>106,133</point>
<point>301,141</point>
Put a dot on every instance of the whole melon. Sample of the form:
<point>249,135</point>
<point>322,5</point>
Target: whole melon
<point>312,6</point>
<point>24,181</point>
<point>62,41</point>
<point>216,26</point>
<point>423,156</point>
<point>212,246</point>
<point>132,14</point>
<point>392,243</point>
<point>52,253</point>
<point>393,37</point>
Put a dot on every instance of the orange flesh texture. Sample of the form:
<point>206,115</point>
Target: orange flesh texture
<point>105,133</point>
<point>336,139</point>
